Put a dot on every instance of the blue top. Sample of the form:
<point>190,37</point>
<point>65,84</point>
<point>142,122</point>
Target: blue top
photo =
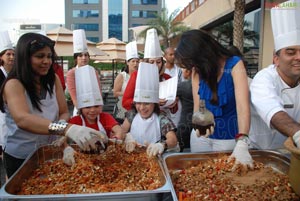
<point>225,112</point>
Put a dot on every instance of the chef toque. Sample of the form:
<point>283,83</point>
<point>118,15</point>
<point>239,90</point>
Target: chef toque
<point>5,42</point>
<point>79,41</point>
<point>152,46</point>
<point>87,88</point>
<point>131,51</point>
<point>286,24</point>
<point>147,84</point>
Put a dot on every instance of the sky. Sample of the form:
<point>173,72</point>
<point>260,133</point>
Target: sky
<point>14,12</point>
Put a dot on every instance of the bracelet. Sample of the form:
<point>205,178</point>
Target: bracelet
<point>240,136</point>
<point>57,127</point>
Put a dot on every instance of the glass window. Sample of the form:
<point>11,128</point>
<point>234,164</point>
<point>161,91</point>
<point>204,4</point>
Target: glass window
<point>93,39</point>
<point>144,14</point>
<point>201,2</point>
<point>192,6</point>
<point>135,13</point>
<point>151,14</point>
<point>87,27</point>
<point>85,1</point>
<point>136,2</point>
<point>115,19</point>
<point>85,13</point>
<point>136,25</point>
<point>149,2</point>
<point>144,2</point>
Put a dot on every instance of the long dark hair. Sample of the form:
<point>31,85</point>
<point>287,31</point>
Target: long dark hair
<point>27,45</point>
<point>200,50</point>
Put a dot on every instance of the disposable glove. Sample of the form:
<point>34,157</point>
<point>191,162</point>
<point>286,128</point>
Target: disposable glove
<point>130,143</point>
<point>59,142</point>
<point>85,137</point>
<point>296,138</point>
<point>241,154</point>
<point>155,149</point>
<point>68,156</point>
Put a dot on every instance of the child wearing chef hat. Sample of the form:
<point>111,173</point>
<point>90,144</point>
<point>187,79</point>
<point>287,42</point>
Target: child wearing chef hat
<point>89,104</point>
<point>145,123</point>
<point>275,90</point>
<point>82,58</point>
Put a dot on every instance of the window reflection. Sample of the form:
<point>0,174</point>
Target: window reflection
<point>224,34</point>
<point>115,19</point>
<point>85,1</point>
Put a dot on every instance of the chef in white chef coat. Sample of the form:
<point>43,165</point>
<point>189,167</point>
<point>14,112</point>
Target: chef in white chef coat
<point>275,90</point>
<point>146,124</point>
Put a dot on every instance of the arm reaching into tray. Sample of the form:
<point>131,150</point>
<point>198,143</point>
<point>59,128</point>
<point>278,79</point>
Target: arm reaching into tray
<point>241,154</point>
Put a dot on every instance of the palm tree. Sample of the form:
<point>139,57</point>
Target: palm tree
<point>238,24</point>
<point>224,33</point>
<point>166,27</point>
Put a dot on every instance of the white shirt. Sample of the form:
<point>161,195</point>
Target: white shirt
<point>175,71</point>
<point>269,95</point>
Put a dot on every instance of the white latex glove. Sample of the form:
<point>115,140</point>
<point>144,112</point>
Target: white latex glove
<point>208,132</point>
<point>130,143</point>
<point>86,137</point>
<point>242,155</point>
<point>155,149</point>
<point>296,138</point>
<point>68,157</point>
<point>59,142</point>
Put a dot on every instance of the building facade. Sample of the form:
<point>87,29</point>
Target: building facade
<point>103,19</point>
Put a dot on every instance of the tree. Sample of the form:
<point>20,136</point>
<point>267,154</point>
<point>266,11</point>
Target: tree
<point>238,24</point>
<point>166,27</point>
<point>224,33</point>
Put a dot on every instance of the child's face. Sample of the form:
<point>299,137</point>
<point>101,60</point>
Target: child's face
<point>145,109</point>
<point>156,61</point>
<point>91,113</point>
<point>83,59</point>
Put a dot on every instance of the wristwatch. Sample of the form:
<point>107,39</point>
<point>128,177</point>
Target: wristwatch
<point>243,137</point>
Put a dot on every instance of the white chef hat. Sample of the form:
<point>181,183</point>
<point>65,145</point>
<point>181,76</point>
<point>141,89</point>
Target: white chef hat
<point>87,88</point>
<point>286,24</point>
<point>79,41</point>
<point>5,42</point>
<point>152,46</point>
<point>147,84</point>
<point>131,51</point>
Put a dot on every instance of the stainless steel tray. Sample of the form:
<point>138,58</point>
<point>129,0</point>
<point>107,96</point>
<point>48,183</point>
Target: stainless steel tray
<point>178,161</point>
<point>45,153</point>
